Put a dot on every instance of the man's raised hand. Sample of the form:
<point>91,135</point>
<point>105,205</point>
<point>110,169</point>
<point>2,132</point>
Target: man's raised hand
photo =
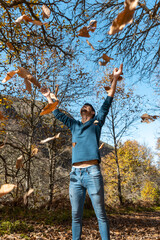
<point>45,91</point>
<point>117,72</point>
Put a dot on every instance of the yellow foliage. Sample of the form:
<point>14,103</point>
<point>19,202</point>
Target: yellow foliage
<point>150,192</point>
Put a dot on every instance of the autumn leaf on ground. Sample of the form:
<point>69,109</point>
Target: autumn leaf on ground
<point>10,46</point>
<point>101,146</point>
<point>125,17</point>
<point>50,138</point>
<point>6,188</point>
<point>92,25</point>
<point>19,163</point>
<point>83,32</point>
<point>45,11</point>
<point>106,60</point>
<point>28,19</point>
<point>90,45</point>
<point>148,118</point>
<point>27,194</point>
<point>49,108</point>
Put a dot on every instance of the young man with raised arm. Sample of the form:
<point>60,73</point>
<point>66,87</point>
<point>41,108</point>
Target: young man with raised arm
<point>86,173</point>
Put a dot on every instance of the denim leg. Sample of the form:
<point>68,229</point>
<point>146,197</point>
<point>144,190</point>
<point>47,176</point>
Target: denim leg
<point>95,189</point>
<point>77,195</point>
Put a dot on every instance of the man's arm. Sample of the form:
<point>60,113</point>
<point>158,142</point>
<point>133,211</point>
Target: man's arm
<point>101,116</point>
<point>116,74</point>
<point>57,113</point>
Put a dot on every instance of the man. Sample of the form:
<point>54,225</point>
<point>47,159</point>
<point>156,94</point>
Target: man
<point>85,173</point>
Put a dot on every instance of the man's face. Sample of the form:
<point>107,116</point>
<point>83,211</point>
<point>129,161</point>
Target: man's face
<point>87,110</point>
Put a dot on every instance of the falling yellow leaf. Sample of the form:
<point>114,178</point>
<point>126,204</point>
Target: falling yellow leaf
<point>50,138</point>
<point>45,11</point>
<point>28,85</point>
<point>49,108</point>
<point>6,188</point>
<point>90,45</point>
<point>27,194</point>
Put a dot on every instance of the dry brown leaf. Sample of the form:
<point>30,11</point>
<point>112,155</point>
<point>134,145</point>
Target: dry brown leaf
<point>96,122</point>
<point>132,4</point>
<point>10,46</point>
<point>101,146</point>
<point>56,90</point>
<point>24,73</point>
<point>148,118</point>
<point>106,60</point>
<point>92,25</point>
<point>27,194</point>
<point>74,144</point>
<point>9,76</point>
<point>83,32</point>
<point>49,108</point>
<point>123,18</point>
<point>107,88</point>
<point>19,163</point>
<point>50,138</point>
<point>90,45</point>
<point>45,11</point>
<point>28,19</point>
<point>28,85</point>
<point>34,151</point>
<point>6,188</point>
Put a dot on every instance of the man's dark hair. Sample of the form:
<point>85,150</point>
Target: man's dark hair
<point>88,104</point>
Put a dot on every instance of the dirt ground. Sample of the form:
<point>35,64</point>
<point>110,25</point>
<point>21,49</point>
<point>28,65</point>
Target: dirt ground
<point>138,226</point>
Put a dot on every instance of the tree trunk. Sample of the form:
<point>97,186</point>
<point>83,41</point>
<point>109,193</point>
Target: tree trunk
<point>117,162</point>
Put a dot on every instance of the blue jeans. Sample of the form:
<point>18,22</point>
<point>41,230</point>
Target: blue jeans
<point>90,179</point>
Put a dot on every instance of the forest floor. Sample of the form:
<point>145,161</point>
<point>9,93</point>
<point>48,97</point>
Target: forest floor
<point>18,224</point>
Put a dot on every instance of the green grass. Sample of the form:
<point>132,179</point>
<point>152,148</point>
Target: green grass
<point>8,227</point>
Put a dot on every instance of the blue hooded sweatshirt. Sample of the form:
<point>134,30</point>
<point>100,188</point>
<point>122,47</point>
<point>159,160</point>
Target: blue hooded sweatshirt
<point>85,136</point>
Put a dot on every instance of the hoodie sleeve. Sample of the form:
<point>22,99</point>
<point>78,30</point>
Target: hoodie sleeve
<point>69,122</point>
<point>101,116</point>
